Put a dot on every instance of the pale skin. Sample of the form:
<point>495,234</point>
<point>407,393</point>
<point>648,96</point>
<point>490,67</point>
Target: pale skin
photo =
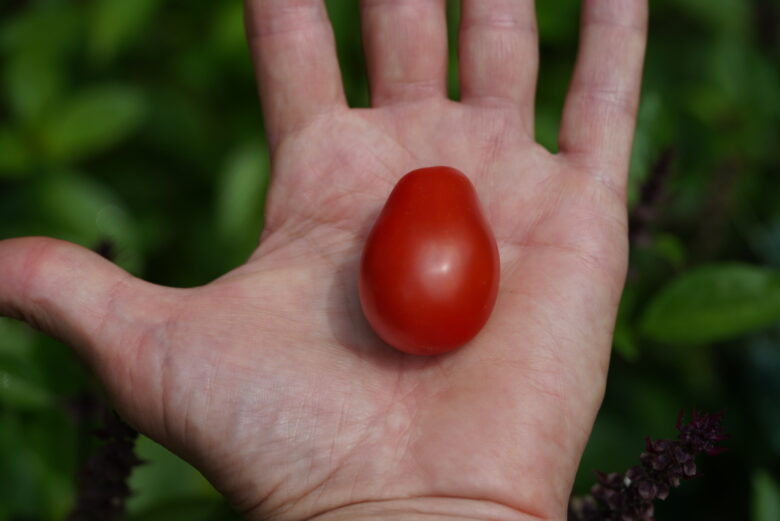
<point>270,380</point>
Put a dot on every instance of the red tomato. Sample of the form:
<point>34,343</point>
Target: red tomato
<point>430,267</point>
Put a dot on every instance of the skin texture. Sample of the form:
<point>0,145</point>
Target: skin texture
<point>430,268</point>
<point>270,380</point>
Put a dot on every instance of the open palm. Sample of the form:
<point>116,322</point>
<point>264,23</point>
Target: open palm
<point>270,380</point>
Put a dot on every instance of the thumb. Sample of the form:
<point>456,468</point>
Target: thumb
<point>73,294</point>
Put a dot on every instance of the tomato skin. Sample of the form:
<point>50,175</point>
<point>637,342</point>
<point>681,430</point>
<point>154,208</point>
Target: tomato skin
<point>430,267</point>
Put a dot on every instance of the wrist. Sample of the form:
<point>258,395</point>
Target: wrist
<point>425,509</point>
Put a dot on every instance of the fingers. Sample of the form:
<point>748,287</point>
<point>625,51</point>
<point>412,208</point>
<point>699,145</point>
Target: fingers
<point>68,292</point>
<point>295,62</point>
<point>598,122</point>
<point>406,49</point>
<point>499,53</point>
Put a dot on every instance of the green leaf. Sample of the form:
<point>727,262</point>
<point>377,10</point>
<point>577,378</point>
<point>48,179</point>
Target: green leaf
<point>32,487</point>
<point>670,248</point>
<point>14,156</point>
<point>547,127</point>
<point>21,491</point>
<point>33,81</point>
<point>730,17</point>
<point>16,338</point>
<point>61,371</point>
<point>229,32</point>
<point>74,203</point>
<point>766,498</point>
<point>20,393</point>
<point>557,21</point>
<point>52,28</point>
<point>165,477</point>
<point>81,210</point>
<point>241,193</point>
<point>625,342</point>
<point>713,303</point>
<point>52,437</point>
<point>116,23</point>
<point>93,121</point>
<point>21,384</point>
<point>625,338</point>
<point>37,44</point>
<point>188,509</point>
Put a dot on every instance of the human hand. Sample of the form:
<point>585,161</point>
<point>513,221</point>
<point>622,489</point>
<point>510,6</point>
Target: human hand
<point>269,379</point>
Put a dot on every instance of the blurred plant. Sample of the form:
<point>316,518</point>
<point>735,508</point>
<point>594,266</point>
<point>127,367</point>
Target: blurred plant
<point>630,496</point>
<point>103,489</point>
<point>712,303</point>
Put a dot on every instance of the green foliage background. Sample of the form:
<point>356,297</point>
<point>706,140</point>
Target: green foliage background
<point>137,121</point>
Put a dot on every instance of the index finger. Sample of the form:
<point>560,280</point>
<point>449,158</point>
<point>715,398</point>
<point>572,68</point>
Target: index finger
<point>597,128</point>
<point>295,62</point>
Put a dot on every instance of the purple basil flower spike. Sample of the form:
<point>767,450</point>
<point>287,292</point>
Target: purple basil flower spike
<point>664,464</point>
